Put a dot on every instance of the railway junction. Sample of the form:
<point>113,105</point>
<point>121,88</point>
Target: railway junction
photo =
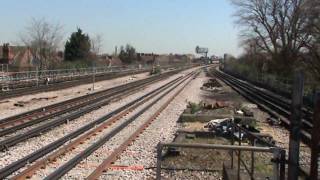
<point>192,122</point>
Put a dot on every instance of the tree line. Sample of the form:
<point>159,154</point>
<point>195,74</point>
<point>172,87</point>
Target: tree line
<point>280,36</point>
<point>44,39</point>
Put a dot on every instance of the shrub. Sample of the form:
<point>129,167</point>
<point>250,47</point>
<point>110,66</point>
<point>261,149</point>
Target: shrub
<point>195,107</point>
<point>155,70</point>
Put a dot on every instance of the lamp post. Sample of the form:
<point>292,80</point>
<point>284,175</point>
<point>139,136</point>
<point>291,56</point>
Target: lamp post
<point>93,74</point>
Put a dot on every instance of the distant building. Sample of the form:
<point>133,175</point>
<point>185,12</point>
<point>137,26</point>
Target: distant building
<point>16,55</point>
<point>147,58</point>
<point>109,60</point>
<point>22,57</point>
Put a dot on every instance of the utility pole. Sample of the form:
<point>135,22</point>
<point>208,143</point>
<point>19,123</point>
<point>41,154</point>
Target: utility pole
<point>37,75</point>
<point>93,75</point>
<point>116,51</point>
<point>295,126</point>
<point>4,79</point>
<point>315,138</point>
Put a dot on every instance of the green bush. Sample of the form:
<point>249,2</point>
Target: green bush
<point>155,70</point>
<point>195,107</point>
<point>76,64</point>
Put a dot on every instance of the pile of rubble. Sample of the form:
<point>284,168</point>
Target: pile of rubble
<point>212,85</point>
<point>242,119</point>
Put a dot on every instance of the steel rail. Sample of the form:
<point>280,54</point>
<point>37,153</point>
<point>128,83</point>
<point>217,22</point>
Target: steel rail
<point>29,113</point>
<point>41,114</point>
<point>274,98</point>
<point>37,117</point>
<point>251,96</point>
<point>118,151</point>
<point>282,110</point>
<point>27,173</point>
<point>6,171</point>
<point>4,144</point>
<point>5,120</point>
<point>62,170</point>
<point>61,85</point>
<point>74,82</point>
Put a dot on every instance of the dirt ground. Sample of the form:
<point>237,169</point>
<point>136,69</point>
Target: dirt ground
<point>211,160</point>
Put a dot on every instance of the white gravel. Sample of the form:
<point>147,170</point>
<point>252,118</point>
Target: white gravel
<point>99,155</point>
<point>51,167</point>
<point>87,166</point>
<point>8,109</point>
<point>161,130</point>
<point>29,146</point>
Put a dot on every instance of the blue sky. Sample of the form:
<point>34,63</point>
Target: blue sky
<point>160,26</point>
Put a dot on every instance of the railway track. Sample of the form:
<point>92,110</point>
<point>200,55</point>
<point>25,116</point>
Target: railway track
<point>87,132</point>
<point>278,107</point>
<point>57,114</point>
<point>107,162</point>
<point>62,84</point>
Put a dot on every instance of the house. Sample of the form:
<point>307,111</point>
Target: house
<point>20,56</point>
<point>108,60</point>
<point>163,59</point>
<point>147,58</point>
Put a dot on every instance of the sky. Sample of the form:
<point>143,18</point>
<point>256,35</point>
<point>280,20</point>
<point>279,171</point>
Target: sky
<point>158,26</point>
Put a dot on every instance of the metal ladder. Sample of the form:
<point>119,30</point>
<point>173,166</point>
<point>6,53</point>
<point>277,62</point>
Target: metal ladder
<point>4,77</point>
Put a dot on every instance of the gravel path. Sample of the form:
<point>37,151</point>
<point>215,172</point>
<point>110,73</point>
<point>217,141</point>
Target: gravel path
<point>281,136</point>
<point>8,108</point>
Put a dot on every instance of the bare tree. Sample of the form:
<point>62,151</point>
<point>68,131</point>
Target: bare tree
<point>97,44</point>
<point>278,26</point>
<point>43,38</point>
<point>254,55</point>
<point>312,60</point>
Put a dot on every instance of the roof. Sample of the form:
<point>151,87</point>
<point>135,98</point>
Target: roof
<point>18,55</point>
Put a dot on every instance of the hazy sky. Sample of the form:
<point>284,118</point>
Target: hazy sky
<point>160,26</point>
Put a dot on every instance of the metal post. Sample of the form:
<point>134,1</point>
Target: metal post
<point>253,142</point>
<point>239,135</point>
<point>315,139</point>
<point>282,164</point>
<point>232,143</point>
<point>37,75</point>
<point>276,157</point>
<point>294,142</point>
<point>159,154</point>
<point>2,83</point>
<point>93,77</point>
<point>239,155</point>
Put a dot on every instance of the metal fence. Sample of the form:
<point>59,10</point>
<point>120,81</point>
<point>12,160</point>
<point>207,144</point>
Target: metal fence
<point>245,156</point>
<point>279,85</point>
<point>13,80</point>
<point>277,153</point>
<point>7,75</point>
<point>31,75</point>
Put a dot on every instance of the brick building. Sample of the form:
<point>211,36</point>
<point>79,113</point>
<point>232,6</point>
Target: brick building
<point>16,55</point>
